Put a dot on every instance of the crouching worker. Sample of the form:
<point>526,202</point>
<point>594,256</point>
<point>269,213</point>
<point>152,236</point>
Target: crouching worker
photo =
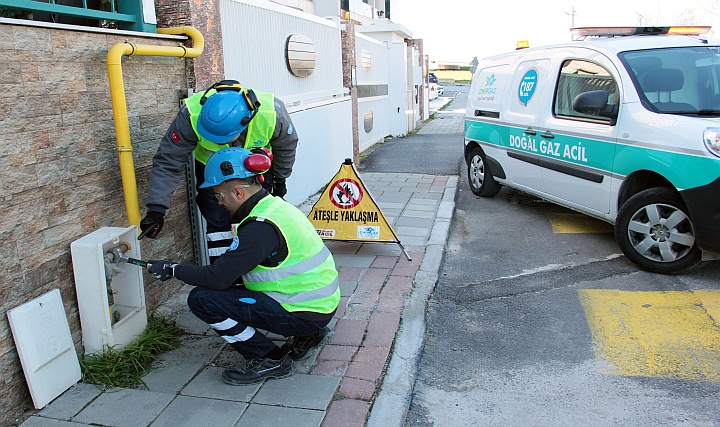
<point>278,275</point>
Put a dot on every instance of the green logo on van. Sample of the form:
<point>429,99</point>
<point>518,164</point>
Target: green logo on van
<point>488,89</point>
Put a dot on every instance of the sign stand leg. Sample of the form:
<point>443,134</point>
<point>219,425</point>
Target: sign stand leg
<point>402,248</point>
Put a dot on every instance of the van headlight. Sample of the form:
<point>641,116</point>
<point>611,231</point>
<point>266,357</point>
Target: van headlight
<point>712,140</point>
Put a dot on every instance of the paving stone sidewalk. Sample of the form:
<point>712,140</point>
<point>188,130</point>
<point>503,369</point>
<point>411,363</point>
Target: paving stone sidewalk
<point>337,383</point>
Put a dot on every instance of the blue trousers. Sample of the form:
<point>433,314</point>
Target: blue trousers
<point>235,313</point>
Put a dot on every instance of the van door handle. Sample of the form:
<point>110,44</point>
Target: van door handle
<point>547,135</point>
<point>530,131</point>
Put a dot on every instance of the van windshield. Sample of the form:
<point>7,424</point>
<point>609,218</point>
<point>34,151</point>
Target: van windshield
<point>681,80</point>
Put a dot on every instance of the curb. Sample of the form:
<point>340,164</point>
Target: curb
<point>392,403</point>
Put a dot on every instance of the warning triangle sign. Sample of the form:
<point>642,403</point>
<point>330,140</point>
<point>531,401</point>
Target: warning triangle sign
<point>346,211</point>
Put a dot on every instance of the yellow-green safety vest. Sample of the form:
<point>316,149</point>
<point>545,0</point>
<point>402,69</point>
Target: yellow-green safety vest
<point>307,279</point>
<point>259,131</point>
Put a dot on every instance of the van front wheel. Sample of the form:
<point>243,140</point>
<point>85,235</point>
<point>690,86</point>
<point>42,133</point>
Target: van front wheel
<point>481,180</point>
<point>655,232</point>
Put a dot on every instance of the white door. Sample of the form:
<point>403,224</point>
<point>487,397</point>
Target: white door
<point>529,85</point>
<point>577,149</point>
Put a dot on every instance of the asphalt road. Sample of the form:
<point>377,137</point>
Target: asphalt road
<point>538,320</point>
<point>432,154</point>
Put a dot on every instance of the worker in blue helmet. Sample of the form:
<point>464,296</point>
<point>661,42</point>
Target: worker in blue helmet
<point>289,283</point>
<point>224,115</point>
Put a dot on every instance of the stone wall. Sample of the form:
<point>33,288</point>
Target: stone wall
<point>59,170</point>
<point>203,15</point>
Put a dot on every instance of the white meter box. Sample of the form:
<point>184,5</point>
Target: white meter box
<point>110,292</point>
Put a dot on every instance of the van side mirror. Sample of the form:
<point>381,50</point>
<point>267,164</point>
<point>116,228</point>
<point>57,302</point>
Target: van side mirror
<point>595,103</point>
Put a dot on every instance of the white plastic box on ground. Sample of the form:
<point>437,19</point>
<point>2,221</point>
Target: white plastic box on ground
<point>111,294</point>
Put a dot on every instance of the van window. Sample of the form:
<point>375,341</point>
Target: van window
<point>578,76</point>
<point>681,80</point>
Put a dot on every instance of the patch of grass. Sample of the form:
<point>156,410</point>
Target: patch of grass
<point>458,76</point>
<point>125,367</point>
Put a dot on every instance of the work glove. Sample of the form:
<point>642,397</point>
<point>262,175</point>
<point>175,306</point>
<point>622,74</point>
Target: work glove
<point>151,225</point>
<point>280,189</point>
<point>162,269</point>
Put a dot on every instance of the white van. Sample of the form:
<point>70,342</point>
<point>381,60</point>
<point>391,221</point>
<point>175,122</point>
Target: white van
<point>622,125</point>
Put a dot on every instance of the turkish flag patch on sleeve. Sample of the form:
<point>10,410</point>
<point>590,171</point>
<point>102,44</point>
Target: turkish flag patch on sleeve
<point>175,136</point>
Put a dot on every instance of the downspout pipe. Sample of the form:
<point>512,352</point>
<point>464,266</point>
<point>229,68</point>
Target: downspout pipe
<point>119,103</point>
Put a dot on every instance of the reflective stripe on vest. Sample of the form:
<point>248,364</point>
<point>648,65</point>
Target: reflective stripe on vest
<point>325,292</point>
<point>258,133</point>
<point>307,279</point>
<point>301,267</point>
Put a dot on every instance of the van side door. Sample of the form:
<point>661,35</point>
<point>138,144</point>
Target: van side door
<point>525,98</point>
<point>578,149</point>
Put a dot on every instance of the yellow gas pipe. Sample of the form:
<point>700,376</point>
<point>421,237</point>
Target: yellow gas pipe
<point>119,105</point>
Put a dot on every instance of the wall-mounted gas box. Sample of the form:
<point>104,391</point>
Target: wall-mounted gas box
<point>110,292</point>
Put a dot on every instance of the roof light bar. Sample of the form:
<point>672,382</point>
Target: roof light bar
<point>684,30</point>
<point>603,31</point>
<point>687,30</point>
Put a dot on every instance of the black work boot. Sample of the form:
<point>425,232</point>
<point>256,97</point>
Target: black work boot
<point>298,347</point>
<point>257,370</point>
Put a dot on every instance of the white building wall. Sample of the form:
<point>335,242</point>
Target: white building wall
<point>400,90</point>
<point>327,8</point>
<point>254,39</point>
<point>376,80</point>
<point>418,85</point>
<point>403,102</point>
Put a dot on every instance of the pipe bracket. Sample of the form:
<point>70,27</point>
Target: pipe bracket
<point>184,51</point>
<point>132,45</point>
<point>122,149</point>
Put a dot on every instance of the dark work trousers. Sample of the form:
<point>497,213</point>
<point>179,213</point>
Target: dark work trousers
<point>218,233</point>
<point>235,313</point>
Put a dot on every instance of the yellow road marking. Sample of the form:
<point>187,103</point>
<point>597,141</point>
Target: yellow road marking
<point>656,334</point>
<point>567,223</point>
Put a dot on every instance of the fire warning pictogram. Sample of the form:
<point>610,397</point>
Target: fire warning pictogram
<point>346,193</point>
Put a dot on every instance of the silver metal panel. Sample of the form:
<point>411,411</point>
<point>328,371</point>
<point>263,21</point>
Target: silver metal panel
<point>255,33</point>
<point>254,39</point>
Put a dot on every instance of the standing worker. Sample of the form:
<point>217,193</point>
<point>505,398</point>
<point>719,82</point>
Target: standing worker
<point>289,276</point>
<point>224,115</point>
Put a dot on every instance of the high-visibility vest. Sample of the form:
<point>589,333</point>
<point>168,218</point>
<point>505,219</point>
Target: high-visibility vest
<point>259,131</point>
<point>307,279</point>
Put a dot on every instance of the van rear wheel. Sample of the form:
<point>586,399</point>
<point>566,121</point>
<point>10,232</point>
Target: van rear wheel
<point>655,232</point>
<point>481,180</point>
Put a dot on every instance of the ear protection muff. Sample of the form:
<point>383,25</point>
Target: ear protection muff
<point>253,104</point>
<point>257,163</point>
<point>264,151</point>
<point>220,86</point>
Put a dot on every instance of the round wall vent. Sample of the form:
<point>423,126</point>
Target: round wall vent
<point>368,121</point>
<point>300,55</point>
<point>365,60</point>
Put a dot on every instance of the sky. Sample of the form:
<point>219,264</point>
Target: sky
<point>458,30</point>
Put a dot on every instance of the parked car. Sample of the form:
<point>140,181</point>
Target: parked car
<point>432,78</point>
<point>432,91</point>
<point>621,127</point>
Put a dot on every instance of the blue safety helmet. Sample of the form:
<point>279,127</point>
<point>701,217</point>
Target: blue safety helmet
<point>224,115</point>
<point>226,164</point>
